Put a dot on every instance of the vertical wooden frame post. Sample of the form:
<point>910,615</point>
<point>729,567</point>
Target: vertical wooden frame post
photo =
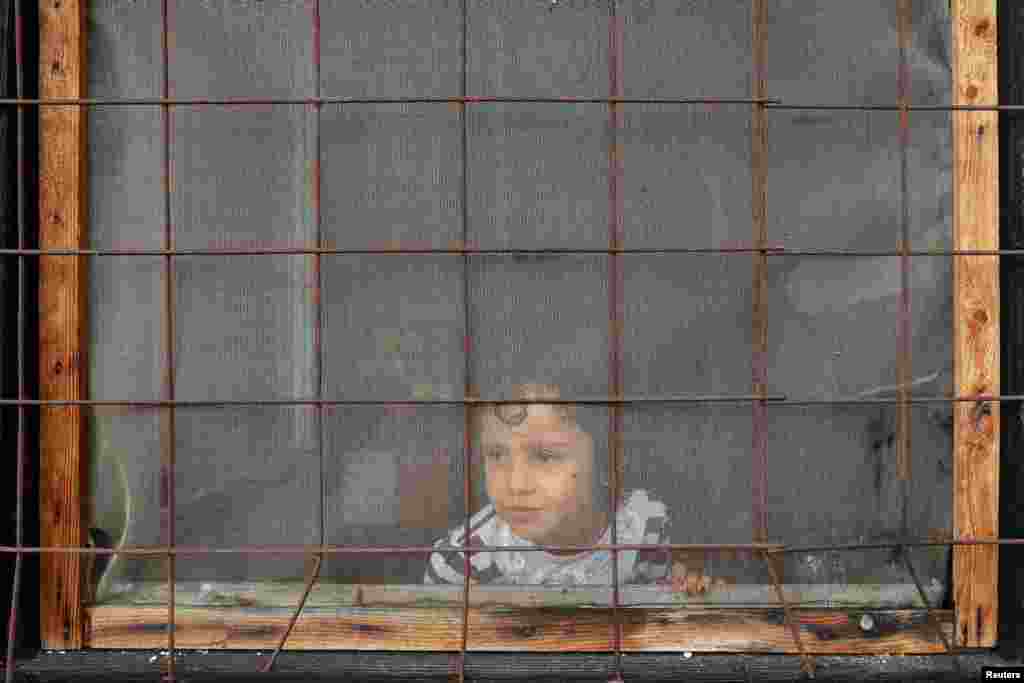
<point>62,322</point>
<point>976,321</point>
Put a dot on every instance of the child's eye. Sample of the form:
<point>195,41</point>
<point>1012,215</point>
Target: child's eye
<point>494,455</point>
<point>548,455</point>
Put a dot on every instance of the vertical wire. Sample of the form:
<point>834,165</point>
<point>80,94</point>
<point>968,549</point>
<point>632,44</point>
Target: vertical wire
<point>167,483</point>
<point>12,622</point>
<point>318,287</point>
<point>469,389</point>
<point>759,173</point>
<point>759,152</point>
<point>903,361</point>
<point>759,182</point>
<point>314,180</point>
<point>615,320</point>
<point>929,614</point>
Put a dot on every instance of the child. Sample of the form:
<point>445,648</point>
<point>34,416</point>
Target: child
<point>541,476</point>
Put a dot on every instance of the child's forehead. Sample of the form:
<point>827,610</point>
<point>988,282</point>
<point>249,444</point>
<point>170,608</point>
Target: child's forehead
<point>540,424</point>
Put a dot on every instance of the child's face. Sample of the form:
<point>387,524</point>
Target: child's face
<point>539,475</point>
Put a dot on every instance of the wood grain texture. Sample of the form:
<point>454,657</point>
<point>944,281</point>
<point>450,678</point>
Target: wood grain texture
<point>62,322</point>
<point>521,629</point>
<point>976,322</point>
<point>270,594</point>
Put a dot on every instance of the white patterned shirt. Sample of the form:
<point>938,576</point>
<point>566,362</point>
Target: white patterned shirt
<point>640,519</point>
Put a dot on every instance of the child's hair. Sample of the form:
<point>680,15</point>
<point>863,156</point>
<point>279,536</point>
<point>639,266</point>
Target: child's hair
<point>531,391</point>
<point>592,420</point>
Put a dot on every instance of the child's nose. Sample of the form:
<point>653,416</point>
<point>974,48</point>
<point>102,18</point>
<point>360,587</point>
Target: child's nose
<point>520,479</point>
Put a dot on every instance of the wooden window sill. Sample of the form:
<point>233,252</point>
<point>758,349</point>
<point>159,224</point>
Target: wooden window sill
<point>521,618</point>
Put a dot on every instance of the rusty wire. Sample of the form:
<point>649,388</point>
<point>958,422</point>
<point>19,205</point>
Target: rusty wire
<point>775,400</point>
<point>759,365</point>
<point>157,550</point>
<point>462,100</point>
<point>476,99</point>
<point>903,361</point>
<point>314,573</point>
<point>168,513</point>
<point>398,250</point>
<point>615,170</point>
<point>759,362</point>
<point>895,107</point>
<point>903,461</point>
<point>392,404</point>
<point>774,567</point>
<point>469,388</point>
<point>902,550</point>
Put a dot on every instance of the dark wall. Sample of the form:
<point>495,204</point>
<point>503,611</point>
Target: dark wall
<point>28,614</point>
<point>1011,283</point>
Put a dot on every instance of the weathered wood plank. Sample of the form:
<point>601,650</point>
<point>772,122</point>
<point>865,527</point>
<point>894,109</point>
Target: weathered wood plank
<point>240,628</point>
<point>62,318</point>
<point>765,630</point>
<point>521,629</point>
<point>333,595</point>
<point>976,322</point>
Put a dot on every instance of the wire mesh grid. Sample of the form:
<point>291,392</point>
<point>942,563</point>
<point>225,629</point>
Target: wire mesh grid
<point>760,105</point>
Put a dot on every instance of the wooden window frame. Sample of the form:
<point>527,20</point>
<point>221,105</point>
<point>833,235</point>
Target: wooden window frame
<point>68,623</point>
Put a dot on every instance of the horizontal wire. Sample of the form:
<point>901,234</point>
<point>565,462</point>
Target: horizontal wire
<point>372,550</point>
<point>897,107</point>
<point>243,101</point>
<point>895,544</point>
<point>162,551</point>
<point>767,103</point>
<point>785,251</point>
<point>774,399</point>
<point>399,402</point>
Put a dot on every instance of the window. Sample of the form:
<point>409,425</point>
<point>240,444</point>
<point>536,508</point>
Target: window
<point>649,258</point>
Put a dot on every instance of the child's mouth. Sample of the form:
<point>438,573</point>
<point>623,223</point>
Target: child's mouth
<point>521,516</point>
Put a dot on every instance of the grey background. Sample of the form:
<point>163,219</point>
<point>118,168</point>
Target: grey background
<point>537,177</point>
